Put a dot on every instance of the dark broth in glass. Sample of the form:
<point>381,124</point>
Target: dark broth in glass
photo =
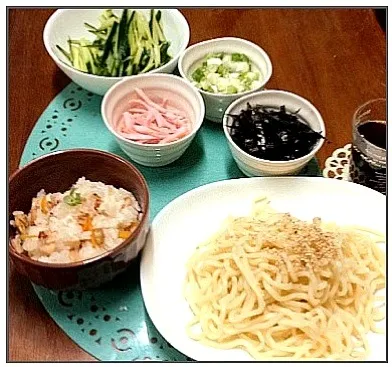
<point>374,132</point>
<point>368,157</point>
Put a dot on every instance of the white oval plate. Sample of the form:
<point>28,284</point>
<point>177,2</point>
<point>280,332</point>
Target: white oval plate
<point>196,215</point>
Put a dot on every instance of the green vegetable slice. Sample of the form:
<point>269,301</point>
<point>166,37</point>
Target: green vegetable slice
<point>125,45</point>
<point>226,73</point>
<point>239,57</point>
<point>198,75</point>
<point>73,198</point>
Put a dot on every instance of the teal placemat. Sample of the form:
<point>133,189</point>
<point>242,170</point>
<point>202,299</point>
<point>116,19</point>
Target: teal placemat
<point>111,322</point>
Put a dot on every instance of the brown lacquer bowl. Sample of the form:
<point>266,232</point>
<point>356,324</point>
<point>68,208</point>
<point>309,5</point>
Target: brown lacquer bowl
<point>56,172</point>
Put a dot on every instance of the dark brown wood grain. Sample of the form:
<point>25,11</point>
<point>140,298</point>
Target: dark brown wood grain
<point>336,58</point>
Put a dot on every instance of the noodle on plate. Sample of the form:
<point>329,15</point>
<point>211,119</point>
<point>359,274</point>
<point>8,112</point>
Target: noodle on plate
<point>283,288</point>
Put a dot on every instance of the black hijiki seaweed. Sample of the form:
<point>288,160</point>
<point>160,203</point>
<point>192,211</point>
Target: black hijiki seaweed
<point>272,133</point>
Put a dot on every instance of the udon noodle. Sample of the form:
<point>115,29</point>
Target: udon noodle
<point>282,288</point>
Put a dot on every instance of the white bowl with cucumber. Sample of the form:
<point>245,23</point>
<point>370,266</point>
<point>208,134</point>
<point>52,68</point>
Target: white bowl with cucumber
<point>96,48</point>
<point>224,69</point>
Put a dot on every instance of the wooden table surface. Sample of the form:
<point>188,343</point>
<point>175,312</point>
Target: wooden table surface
<point>336,58</point>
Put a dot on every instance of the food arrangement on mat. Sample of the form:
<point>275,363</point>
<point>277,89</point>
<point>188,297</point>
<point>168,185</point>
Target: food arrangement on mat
<point>268,282</point>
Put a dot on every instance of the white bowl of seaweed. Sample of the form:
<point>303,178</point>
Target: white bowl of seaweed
<point>273,132</point>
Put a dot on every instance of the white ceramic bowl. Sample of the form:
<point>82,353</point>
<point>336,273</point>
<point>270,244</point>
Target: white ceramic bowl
<point>184,95</point>
<point>216,103</point>
<point>252,166</point>
<point>69,23</point>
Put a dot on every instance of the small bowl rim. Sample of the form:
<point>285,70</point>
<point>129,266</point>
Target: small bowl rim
<point>220,39</point>
<point>312,153</point>
<point>89,261</point>
<point>53,55</point>
<point>129,79</point>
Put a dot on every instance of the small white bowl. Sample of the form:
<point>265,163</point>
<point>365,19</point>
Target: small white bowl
<point>216,103</point>
<point>182,92</point>
<point>69,23</point>
<point>252,166</point>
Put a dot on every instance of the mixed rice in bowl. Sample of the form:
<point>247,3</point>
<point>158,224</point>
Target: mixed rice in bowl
<point>83,222</point>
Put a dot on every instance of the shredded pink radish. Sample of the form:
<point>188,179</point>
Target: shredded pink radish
<point>136,136</point>
<point>120,123</point>
<point>149,122</point>
<point>181,132</point>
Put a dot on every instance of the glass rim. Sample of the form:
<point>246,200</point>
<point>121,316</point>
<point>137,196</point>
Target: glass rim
<point>363,105</point>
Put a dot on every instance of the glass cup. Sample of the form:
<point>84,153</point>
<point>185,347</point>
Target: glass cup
<point>368,163</point>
